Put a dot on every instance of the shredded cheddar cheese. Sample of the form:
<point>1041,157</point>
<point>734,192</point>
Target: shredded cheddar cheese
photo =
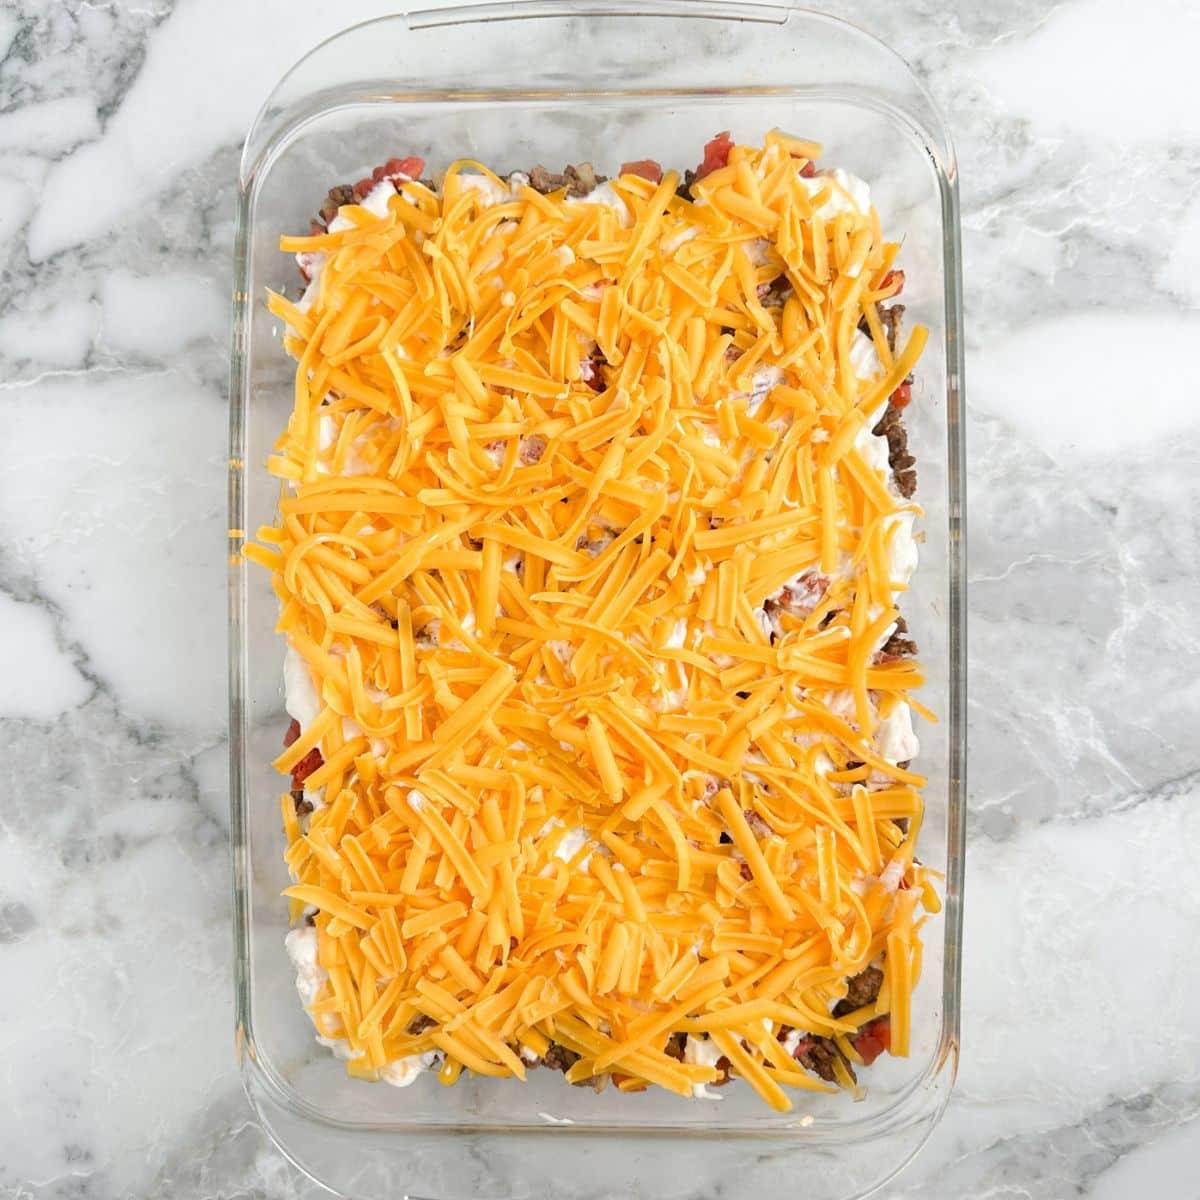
<point>551,465</point>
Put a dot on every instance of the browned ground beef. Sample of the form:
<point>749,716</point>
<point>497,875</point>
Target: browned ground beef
<point>899,645</point>
<point>578,180</point>
<point>342,194</point>
<point>559,1058</point>
<point>819,1055</point>
<point>862,990</point>
<point>891,318</point>
<point>776,293</point>
<point>891,426</point>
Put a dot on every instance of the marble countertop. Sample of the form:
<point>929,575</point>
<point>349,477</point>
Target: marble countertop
<point>120,128</point>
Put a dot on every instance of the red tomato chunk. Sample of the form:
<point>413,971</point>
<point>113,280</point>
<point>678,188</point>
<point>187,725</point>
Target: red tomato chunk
<point>305,767</point>
<point>643,168</point>
<point>874,1039</point>
<point>716,154</point>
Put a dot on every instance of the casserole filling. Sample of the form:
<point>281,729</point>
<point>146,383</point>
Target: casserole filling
<point>595,526</point>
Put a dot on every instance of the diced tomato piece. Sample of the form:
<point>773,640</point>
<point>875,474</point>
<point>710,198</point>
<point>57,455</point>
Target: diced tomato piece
<point>293,732</point>
<point>409,168</point>
<point>305,767</point>
<point>893,277</point>
<point>643,168</point>
<point>874,1039</point>
<point>395,170</point>
<point>809,169</point>
<point>716,154</point>
<point>902,396</point>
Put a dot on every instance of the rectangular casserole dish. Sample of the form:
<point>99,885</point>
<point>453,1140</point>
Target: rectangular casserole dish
<point>512,85</point>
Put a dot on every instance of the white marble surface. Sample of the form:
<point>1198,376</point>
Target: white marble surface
<point>1079,143</point>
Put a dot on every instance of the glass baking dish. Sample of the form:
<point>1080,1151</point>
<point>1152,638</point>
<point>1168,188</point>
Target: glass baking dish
<point>514,85</point>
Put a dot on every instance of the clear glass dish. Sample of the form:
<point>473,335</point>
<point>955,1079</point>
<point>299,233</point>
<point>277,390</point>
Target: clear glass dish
<point>514,85</point>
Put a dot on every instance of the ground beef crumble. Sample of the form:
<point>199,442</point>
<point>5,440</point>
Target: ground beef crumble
<point>891,423</point>
<point>892,318</point>
<point>819,1054</point>
<point>891,426</point>
<point>862,989</point>
<point>559,1058</point>
<point>578,180</point>
<point>899,645</point>
<point>342,194</point>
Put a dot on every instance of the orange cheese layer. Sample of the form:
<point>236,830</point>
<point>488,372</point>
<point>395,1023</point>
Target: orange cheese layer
<point>574,792</point>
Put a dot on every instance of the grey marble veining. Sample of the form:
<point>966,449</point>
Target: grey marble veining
<point>1079,144</point>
